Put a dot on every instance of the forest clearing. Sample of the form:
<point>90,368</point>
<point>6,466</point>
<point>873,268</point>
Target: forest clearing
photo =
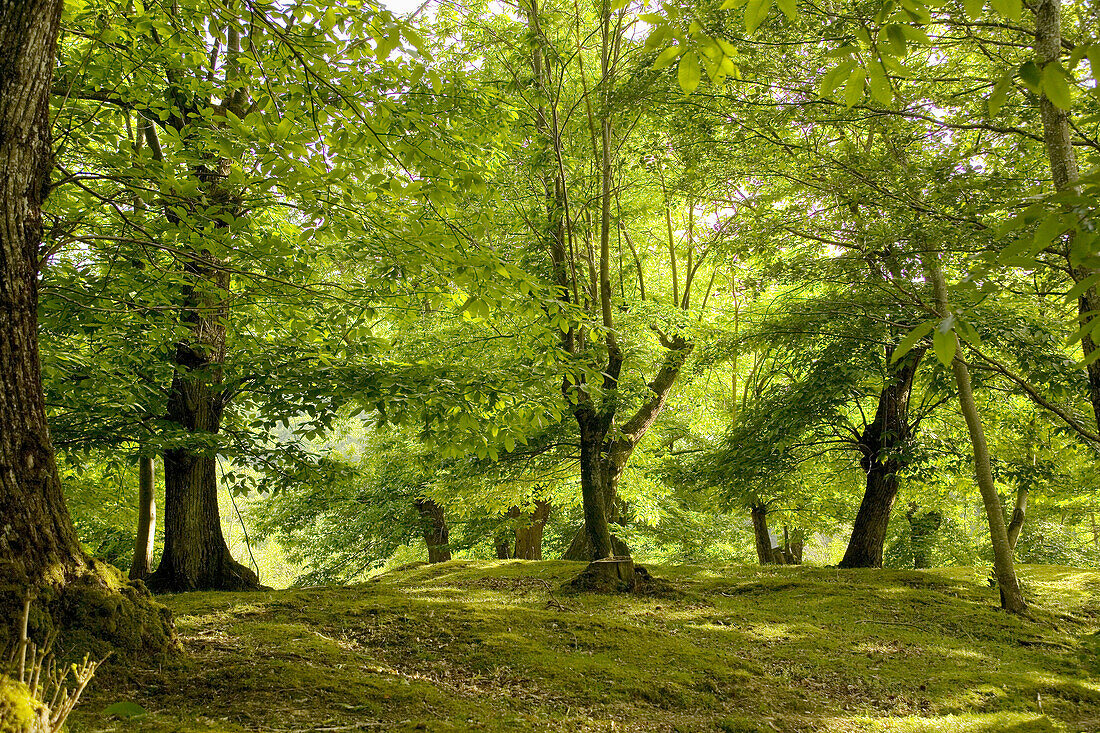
<point>496,646</point>
<point>595,365</point>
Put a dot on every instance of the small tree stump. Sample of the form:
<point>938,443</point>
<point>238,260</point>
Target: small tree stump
<point>608,575</point>
<point>618,568</point>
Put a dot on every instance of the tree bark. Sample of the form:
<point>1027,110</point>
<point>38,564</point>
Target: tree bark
<point>794,546</point>
<point>36,532</point>
<point>40,554</point>
<point>1012,598</point>
<point>144,539</point>
<point>434,527</point>
<point>1058,142</point>
<point>529,529</point>
<point>593,484</point>
<point>1019,513</point>
<point>761,535</point>
<point>881,448</point>
<point>196,556</point>
<point>502,544</point>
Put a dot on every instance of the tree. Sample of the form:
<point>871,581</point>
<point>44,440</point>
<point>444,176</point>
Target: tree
<point>38,544</point>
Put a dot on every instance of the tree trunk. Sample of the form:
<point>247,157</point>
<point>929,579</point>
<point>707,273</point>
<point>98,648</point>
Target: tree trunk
<point>922,533</point>
<point>1019,513</point>
<point>196,556</point>
<point>581,547</point>
<point>593,485</point>
<point>796,545</point>
<point>39,551</point>
<point>37,532</point>
<point>761,535</point>
<point>1058,142</point>
<point>502,543</point>
<point>434,526</point>
<point>144,540</point>
<point>529,531</point>
<point>1012,599</point>
<point>881,448</point>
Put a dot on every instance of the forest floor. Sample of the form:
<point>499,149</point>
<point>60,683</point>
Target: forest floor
<point>495,646</point>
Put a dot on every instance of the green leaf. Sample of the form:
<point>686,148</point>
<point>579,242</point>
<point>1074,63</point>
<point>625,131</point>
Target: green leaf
<point>1082,285</point>
<point>755,12</point>
<point>1089,359</point>
<point>834,76</point>
<point>906,345</point>
<point>944,343</point>
<point>1093,54</point>
<point>915,34</point>
<point>895,37</point>
<point>1031,76</point>
<point>688,73</point>
<point>125,709</point>
<point>973,8</point>
<point>880,85</point>
<point>999,94</point>
<point>1090,325</point>
<point>658,37</point>
<point>853,90</point>
<point>1011,9</point>
<point>1049,229</point>
<point>789,8</point>
<point>1056,85</point>
<point>667,57</point>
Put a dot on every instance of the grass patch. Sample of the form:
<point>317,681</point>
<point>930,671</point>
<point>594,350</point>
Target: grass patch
<point>493,646</point>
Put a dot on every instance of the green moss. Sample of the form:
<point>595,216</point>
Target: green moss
<point>97,612</point>
<point>494,646</point>
<point>19,711</point>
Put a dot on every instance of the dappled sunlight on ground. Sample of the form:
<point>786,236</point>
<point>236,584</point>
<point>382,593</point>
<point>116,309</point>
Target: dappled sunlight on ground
<point>496,646</point>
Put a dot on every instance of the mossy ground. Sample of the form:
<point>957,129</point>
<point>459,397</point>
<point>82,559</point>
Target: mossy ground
<point>484,646</point>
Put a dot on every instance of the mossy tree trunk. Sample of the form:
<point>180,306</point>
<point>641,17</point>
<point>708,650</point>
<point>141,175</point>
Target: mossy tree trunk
<point>146,519</point>
<point>39,550</point>
<point>433,524</point>
<point>882,449</point>
<point>761,535</point>
<point>1012,599</point>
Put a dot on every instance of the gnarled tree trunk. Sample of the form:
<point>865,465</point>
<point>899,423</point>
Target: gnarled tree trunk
<point>434,527</point>
<point>881,448</point>
<point>39,551</point>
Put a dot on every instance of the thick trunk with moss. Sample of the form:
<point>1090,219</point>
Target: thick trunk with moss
<point>433,525</point>
<point>146,520</point>
<point>882,447</point>
<point>87,602</point>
